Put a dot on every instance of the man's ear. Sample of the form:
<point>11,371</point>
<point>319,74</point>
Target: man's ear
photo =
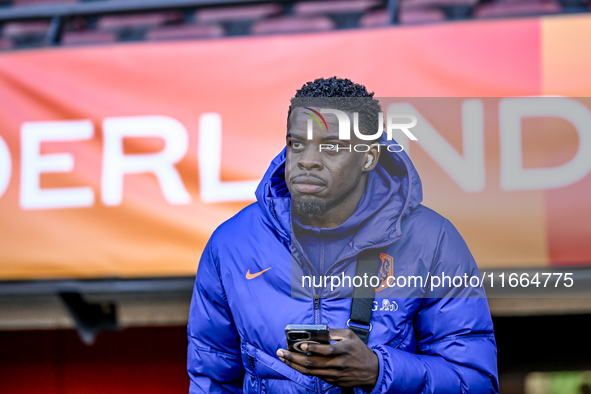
<point>371,158</point>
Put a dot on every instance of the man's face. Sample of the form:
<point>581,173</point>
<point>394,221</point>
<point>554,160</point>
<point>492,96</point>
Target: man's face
<point>320,180</point>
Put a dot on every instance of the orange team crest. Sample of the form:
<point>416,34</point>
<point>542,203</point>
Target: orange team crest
<point>386,270</point>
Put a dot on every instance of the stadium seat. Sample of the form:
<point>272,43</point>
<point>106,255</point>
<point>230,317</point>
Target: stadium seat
<point>406,15</point>
<point>418,11</point>
<point>375,18</point>
<point>185,32</point>
<point>148,20</point>
<point>517,8</point>
<point>227,14</point>
<point>88,37</point>
<point>410,15</point>
<point>5,43</point>
<point>21,3</point>
<point>334,7</point>
<point>345,14</point>
<point>292,24</point>
<point>25,29</point>
<point>239,19</point>
<point>429,3</point>
<point>26,34</point>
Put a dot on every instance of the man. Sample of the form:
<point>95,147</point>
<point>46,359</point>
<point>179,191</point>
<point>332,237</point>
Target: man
<point>319,206</point>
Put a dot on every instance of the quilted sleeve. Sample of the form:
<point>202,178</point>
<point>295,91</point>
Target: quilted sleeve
<point>213,360</point>
<point>457,349</point>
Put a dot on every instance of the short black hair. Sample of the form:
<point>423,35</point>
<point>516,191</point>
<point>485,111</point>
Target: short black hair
<point>341,94</point>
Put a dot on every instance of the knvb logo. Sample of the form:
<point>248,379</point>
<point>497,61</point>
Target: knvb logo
<point>345,129</point>
<point>387,306</point>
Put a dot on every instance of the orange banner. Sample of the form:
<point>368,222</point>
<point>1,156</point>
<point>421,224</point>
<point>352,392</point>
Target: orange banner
<point>121,160</point>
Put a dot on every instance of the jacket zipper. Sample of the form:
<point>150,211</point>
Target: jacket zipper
<point>258,378</point>
<point>317,321</point>
<point>316,298</point>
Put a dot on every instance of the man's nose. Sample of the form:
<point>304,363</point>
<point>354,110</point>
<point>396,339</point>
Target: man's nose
<point>310,159</point>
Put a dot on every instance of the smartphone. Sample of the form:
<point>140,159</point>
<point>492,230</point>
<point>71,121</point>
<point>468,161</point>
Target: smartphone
<point>298,334</point>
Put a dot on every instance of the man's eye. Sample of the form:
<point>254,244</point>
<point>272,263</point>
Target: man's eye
<point>297,145</point>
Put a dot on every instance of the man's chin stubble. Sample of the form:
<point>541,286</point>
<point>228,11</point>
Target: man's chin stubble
<point>309,206</point>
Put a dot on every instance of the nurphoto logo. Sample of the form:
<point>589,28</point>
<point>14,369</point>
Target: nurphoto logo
<point>345,129</point>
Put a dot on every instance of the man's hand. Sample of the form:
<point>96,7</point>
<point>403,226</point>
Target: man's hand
<point>347,363</point>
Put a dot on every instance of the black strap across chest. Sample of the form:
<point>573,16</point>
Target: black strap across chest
<point>368,264</point>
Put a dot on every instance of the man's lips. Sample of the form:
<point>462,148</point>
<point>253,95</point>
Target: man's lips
<point>307,184</point>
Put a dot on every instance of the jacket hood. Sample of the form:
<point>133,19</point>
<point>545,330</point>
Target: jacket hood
<point>382,225</point>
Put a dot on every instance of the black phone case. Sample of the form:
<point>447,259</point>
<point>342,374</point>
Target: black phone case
<point>297,334</point>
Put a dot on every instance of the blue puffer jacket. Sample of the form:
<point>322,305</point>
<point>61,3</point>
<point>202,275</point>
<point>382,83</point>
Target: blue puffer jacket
<point>424,344</point>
